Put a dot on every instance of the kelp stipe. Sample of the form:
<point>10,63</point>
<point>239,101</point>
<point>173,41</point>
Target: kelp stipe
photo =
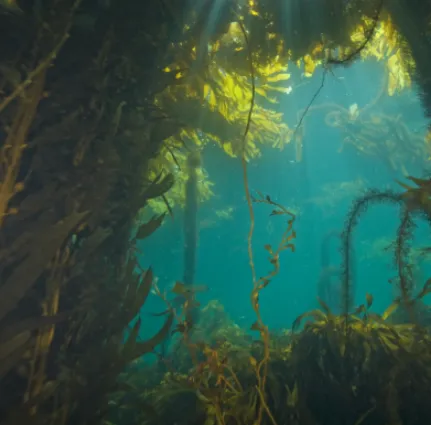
<point>404,236</point>
<point>190,218</point>
<point>329,285</point>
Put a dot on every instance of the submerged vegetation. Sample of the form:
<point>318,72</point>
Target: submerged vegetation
<point>95,151</point>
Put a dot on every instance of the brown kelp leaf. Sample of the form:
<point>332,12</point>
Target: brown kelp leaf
<point>369,299</point>
<point>179,288</point>
<point>376,318</point>
<point>26,273</point>
<point>22,344</point>
<point>181,328</point>
<point>423,183</point>
<point>359,310</point>
<point>292,397</point>
<point>187,290</point>
<point>425,290</point>
<point>314,314</point>
<point>256,327</point>
<point>268,248</point>
<point>324,306</point>
<point>7,347</point>
<point>45,393</point>
<point>130,345</point>
<point>145,347</point>
<point>141,293</point>
<point>388,312</point>
<point>150,227</point>
<point>168,207</point>
<point>96,238</point>
<point>163,313</point>
<point>159,186</point>
<point>29,325</point>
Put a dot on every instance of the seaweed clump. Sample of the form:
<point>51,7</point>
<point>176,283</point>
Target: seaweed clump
<point>316,376</point>
<point>324,374</point>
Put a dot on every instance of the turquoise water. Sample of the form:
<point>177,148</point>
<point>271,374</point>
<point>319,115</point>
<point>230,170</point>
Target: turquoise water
<point>222,259</point>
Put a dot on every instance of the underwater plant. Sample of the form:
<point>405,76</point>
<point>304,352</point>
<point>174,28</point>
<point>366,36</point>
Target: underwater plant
<point>329,283</point>
<point>413,201</point>
<point>90,136</point>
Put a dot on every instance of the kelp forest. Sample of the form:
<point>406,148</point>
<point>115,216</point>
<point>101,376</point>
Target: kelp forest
<point>105,109</point>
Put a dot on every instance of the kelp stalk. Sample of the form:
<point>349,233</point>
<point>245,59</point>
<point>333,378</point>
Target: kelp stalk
<point>327,290</point>
<point>262,366</point>
<point>190,219</point>
<point>404,234</point>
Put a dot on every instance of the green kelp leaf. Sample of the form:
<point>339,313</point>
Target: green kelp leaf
<point>292,396</point>
<point>30,324</point>
<point>89,245</point>
<point>47,391</point>
<point>150,227</point>
<point>31,267</point>
<point>130,345</point>
<point>141,294</point>
<point>148,346</point>
<point>96,238</point>
<point>7,347</point>
<point>13,351</point>
<point>314,314</point>
<point>159,186</point>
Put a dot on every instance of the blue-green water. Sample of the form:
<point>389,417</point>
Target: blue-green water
<point>222,262</point>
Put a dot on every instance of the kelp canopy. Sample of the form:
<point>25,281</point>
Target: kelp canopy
<point>96,123</point>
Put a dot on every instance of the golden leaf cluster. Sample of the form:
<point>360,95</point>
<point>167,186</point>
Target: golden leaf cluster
<point>175,162</point>
<point>385,45</point>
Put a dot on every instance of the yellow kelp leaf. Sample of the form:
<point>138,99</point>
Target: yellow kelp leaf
<point>271,69</point>
<point>309,66</point>
<point>389,31</point>
<point>393,71</point>
<point>285,90</point>
<point>388,312</point>
<point>227,147</point>
<point>228,84</point>
<point>317,49</point>
<point>398,76</point>
<point>358,35</point>
<point>239,93</point>
<point>223,108</point>
<point>281,48</point>
<point>192,135</point>
<point>209,96</point>
<point>262,92</point>
<point>279,77</point>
